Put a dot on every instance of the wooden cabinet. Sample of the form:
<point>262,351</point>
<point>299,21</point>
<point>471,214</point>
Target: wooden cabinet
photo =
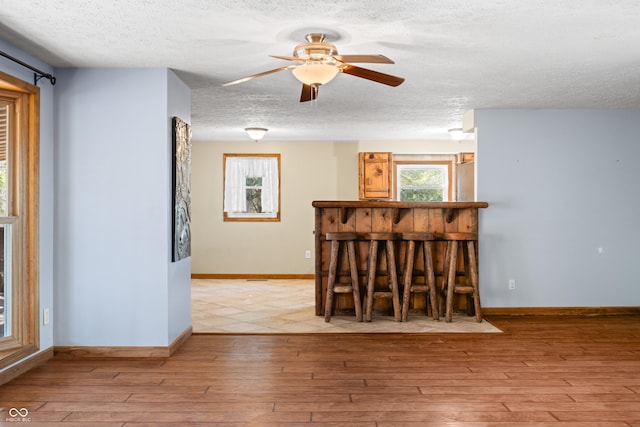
<point>465,157</point>
<point>374,176</point>
<point>465,177</point>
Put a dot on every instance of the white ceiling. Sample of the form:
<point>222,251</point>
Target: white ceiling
<point>456,55</point>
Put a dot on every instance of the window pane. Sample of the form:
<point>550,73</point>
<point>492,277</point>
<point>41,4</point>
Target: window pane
<point>5,276</point>
<point>254,200</point>
<point>422,177</point>
<point>254,181</point>
<point>4,139</point>
<point>434,177</point>
<point>5,297</point>
<point>422,195</point>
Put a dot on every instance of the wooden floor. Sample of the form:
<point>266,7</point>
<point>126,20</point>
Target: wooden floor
<point>542,371</point>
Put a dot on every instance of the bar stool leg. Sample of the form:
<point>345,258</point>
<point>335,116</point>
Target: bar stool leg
<point>355,284</point>
<point>371,278</point>
<point>395,292</point>
<point>451,278</point>
<point>408,276</point>
<point>333,267</point>
<point>473,272</point>
<point>445,275</point>
<point>430,279</point>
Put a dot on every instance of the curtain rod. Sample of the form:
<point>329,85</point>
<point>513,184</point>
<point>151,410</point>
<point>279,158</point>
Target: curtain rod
<point>38,74</point>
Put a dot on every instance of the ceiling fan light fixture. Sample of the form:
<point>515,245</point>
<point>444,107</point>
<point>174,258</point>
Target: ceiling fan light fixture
<point>315,74</point>
<point>256,133</point>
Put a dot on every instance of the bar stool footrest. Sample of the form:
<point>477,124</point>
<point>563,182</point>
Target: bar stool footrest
<point>342,289</point>
<point>383,294</point>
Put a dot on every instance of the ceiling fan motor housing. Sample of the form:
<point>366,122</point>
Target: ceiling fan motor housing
<point>315,49</point>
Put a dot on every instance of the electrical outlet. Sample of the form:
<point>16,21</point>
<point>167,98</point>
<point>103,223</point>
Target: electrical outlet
<point>512,284</point>
<point>307,254</point>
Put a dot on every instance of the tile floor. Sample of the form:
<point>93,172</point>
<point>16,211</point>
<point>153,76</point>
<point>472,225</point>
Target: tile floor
<point>287,306</point>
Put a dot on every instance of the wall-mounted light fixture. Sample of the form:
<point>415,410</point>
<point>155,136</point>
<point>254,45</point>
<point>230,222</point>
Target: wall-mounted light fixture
<point>256,133</point>
<point>457,134</point>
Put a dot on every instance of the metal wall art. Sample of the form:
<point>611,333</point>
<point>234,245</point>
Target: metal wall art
<point>181,189</point>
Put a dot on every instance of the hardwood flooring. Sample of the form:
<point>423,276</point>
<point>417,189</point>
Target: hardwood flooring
<point>542,371</point>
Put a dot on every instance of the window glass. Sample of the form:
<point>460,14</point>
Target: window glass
<point>4,138</point>
<point>253,190</point>
<point>423,183</point>
<point>5,291</point>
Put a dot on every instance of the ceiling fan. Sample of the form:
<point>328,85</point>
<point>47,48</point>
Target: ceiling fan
<point>319,62</point>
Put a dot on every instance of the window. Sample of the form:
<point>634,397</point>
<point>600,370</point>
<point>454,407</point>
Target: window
<point>5,310</point>
<point>19,110</point>
<point>251,187</point>
<point>423,181</point>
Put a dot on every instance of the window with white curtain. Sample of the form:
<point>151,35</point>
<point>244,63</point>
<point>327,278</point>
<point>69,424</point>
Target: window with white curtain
<point>251,187</point>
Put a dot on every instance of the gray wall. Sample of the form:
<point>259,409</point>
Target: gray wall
<point>561,184</point>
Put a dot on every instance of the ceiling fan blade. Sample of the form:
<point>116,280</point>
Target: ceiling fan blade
<point>375,76</point>
<point>309,93</point>
<point>371,59</point>
<point>289,58</point>
<point>264,73</point>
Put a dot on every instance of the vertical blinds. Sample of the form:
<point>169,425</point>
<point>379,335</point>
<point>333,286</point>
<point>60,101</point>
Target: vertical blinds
<point>3,132</point>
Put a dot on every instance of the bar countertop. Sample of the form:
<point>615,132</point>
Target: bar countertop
<point>395,204</point>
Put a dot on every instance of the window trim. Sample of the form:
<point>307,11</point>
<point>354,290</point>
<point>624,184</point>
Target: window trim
<point>23,215</point>
<point>448,163</point>
<point>249,217</point>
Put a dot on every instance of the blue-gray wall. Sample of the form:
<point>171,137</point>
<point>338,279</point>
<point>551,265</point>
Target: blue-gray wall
<point>564,214</point>
<point>115,283</point>
<point>179,273</point>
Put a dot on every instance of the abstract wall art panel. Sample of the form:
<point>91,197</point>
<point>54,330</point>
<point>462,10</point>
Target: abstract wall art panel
<point>181,189</point>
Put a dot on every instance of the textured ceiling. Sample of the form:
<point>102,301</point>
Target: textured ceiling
<point>455,56</point>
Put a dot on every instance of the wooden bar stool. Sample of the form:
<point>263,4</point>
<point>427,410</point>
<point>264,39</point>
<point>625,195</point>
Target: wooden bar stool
<point>414,242</point>
<point>392,276</point>
<point>470,285</point>
<point>333,286</point>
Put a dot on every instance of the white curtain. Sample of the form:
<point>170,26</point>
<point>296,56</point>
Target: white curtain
<point>238,169</point>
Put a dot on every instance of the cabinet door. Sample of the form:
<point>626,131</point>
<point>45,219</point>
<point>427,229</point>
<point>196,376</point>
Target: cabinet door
<point>375,176</point>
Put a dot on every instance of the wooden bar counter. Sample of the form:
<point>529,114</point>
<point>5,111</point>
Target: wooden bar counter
<point>363,216</point>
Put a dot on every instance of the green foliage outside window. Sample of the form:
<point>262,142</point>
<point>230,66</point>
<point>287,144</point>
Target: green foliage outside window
<point>424,195</point>
<point>254,194</point>
<point>422,185</point>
